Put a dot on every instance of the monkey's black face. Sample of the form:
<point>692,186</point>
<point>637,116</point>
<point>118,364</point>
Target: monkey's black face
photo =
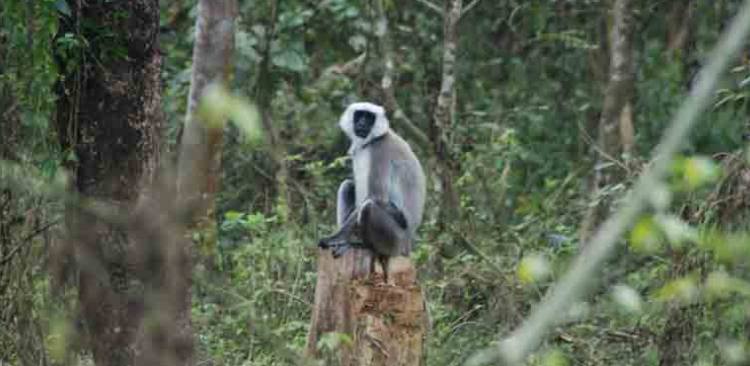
<point>363,122</point>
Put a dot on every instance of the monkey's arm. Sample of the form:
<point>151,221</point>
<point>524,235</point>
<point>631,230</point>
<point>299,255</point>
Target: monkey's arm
<point>397,214</point>
<point>397,177</point>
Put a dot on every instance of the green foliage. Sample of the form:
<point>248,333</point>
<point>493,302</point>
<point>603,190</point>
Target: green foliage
<point>264,266</point>
<point>217,105</point>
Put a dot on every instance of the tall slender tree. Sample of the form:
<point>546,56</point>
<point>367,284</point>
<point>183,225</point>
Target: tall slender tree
<point>617,94</point>
<point>444,115</point>
<point>199,169</point>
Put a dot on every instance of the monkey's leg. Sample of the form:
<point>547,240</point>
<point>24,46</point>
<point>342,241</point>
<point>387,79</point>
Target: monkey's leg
<point>380,229</point>
<point>345,218</point>
<point>384,264</point>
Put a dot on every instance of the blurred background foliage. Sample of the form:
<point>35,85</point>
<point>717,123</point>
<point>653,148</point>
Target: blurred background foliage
<point>530,84</point>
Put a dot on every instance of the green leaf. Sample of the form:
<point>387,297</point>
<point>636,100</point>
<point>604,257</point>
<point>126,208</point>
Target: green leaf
<point>289,59</point>
<point>218,104</point>
<point>533,268</point>
<point>554,357</point>
<point>333,340</point>
<point>645,237</point>
<point>699,171</point>
<point>694,172</point>
<point>233,215</point>
<point>683,290</point>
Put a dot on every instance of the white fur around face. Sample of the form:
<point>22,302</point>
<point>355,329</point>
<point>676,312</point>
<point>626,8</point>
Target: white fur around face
<point>346,123</point>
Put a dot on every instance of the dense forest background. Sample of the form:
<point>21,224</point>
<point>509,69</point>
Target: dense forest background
<point>548,124</point>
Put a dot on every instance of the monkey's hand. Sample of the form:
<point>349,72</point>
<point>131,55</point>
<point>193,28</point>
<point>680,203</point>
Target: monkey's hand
<point>332,242</point>
<point>338,248</point>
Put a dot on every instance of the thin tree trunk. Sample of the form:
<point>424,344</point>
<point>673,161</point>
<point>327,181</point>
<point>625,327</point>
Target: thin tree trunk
<point>679,21</point>
<point>443,117</point>
<point>627,131</point>
<point>109,116</point>
<point>264,96</point>
<point>199,169</point>
<point>616,96</point>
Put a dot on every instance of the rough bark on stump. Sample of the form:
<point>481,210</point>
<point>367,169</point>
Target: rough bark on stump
<point>386,322</point>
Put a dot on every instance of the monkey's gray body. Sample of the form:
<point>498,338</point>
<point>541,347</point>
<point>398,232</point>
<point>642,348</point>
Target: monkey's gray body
<point>384,203</point>
<point>387,171</point>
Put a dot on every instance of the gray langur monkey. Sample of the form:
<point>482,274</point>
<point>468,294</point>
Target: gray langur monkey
<point>384,203</point>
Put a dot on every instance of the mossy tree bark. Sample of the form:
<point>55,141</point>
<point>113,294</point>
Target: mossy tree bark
<point>109,119</point>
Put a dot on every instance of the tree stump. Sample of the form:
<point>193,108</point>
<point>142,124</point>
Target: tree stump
<point>385,321</point>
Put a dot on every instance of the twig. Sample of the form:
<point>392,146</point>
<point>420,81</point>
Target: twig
<point>26,238</point>
<point>579,280</point>
<point>602,153</point>
<point>348,69</point>
<point>431,6</point>
<point>468,8</point>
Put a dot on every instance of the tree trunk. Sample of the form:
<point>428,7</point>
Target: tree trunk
<point>385,322</point>
<point>444,116</point>
<point>199,169</point>
<point>264,96</point>
<point>679,31</point>
<point>627,131</point>
<point>109,117</point>
<point>617,95</point>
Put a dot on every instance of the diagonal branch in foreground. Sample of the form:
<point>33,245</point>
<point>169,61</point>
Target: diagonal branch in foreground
<point>578,281</point>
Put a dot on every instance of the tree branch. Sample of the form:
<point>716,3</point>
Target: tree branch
<point>26,238</point>
<point>579,280</point>
<point>431,6</point>
<point>381,32</point>
<point>468,8</point>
